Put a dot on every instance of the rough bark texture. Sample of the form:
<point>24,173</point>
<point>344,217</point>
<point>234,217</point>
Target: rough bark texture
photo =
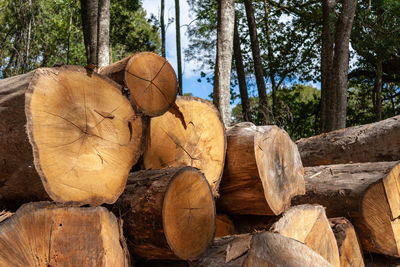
<point>189,134</point>
<point>222,75</point>
<point>263,171</point>
<point>224,226</point>
<point>89,12</point>
<point>350,251</point>
<point>79,136</point>
<point>309,225</point>
<point>366,143</point>
<point>49,234</point>
<point>258,68</point>
<point>261,249</point>
<point>168,214</point>
<point>162,26</point>
<point>103,34</point>
<point>178,45</point>
<point>366,193</point>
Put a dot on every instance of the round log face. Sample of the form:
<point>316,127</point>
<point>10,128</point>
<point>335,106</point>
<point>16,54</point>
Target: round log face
<point>189,214</point>
<point>152,83</point>
<point>84,133</point>
<point>279,166</point>
<point>191,135</point>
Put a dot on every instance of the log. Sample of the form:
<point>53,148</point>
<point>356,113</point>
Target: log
<point>366,193</point>
<point>260,249</point>
<point>49,234</point>
<point>263,171</point>
<point>309,225</point>
<point>378,141</point>
<point>350,252</point>
<point>151,81</point>
<point>224,226</point>
<point>75,128</point>
<point>190,134</point>
<point>168,214</point>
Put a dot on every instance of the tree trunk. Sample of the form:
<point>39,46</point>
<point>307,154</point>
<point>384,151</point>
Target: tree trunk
<point>84,141</point>
<point>178,45</point>
<point>241,74</point>
<point>258,67</point>
<point>162,25</point>
<point>168,214</point>
<point>49,234</point>
<point>223,226</point>
<point>89,12</point>
<point>190,134</point>
<point>366,193</point>
<point>151,81</point>
<point>260,249</point>
<point>222,74</point>
<point>378,90</point>
<point>103,33</point>
<point>263,171</point>
<point>378,141</point>
<point>309,225</point>
<point>350,251</point>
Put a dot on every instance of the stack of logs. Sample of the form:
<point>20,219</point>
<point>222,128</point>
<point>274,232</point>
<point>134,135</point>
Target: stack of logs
<point>177,188</point>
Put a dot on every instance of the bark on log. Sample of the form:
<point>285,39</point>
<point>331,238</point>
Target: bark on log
<point>261,249</point>
<point>378,141</point>
<point>169,213</point>
<point>84,137</point>
<point>350,251</point>
<point>190,134</point>
<point>263,171</point>
<point>49,234</point>
<point>309,225</point>
<point>151,81</point>
<point>223,226</point>
<point>366,193</point>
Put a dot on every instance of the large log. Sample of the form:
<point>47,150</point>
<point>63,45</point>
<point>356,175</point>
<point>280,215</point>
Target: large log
<point>263,171</point>
<point>190,134</point>
<point>378,141</point>
<point>350,251</point>
<point>168,214</point>
<point>261,249</point>
<point>75,128</point>
<point>49,234</point>
<point>309,225</point>
<point>151,81</point>
<point>366,193</point>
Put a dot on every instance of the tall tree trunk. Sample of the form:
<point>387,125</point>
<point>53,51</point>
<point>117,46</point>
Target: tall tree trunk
<point>69,31</point>
<point>178,45</point>
<point>241,74</point>
<point>378,89</point>
<point>89,12</point>
<point>103,33</point>
<point>258,68</point>
<point>335,64</point>
<point>28,37</point>
<point>222,75</point>
<point>162,28</point>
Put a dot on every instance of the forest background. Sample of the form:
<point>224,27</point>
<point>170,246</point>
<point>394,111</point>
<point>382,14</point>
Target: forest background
<point>39,33</point>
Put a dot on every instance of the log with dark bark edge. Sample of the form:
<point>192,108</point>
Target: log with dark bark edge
<point>309,225</point>
<point>350,251</point>
<point>190,134</point>
<point>263,171</point>
<point>366,193</point>
<point>224,226</point>
<point>85,137</point>
<point>378,141</point>
<point>261,249</point>
<point>151,81</point>
<point>49,234</point>
<point>168,214</point>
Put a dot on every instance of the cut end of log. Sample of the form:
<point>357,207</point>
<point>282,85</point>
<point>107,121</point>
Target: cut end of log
<point>309,225</point>
<point>49,234</point>
<point>189,214</point>
<point>224,226</point>
<point>191,134</point>
<point>84,133</point>
<point>152,83</point>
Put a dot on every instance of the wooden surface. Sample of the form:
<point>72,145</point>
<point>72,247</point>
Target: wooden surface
<point>263,171</point>
<point>378,141</point>
<point>366,193</point>
<point>309,225</point>
<point>224,226</point>
<point>49,234</point>
<point>168,214</point>
<point>190,134</point>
